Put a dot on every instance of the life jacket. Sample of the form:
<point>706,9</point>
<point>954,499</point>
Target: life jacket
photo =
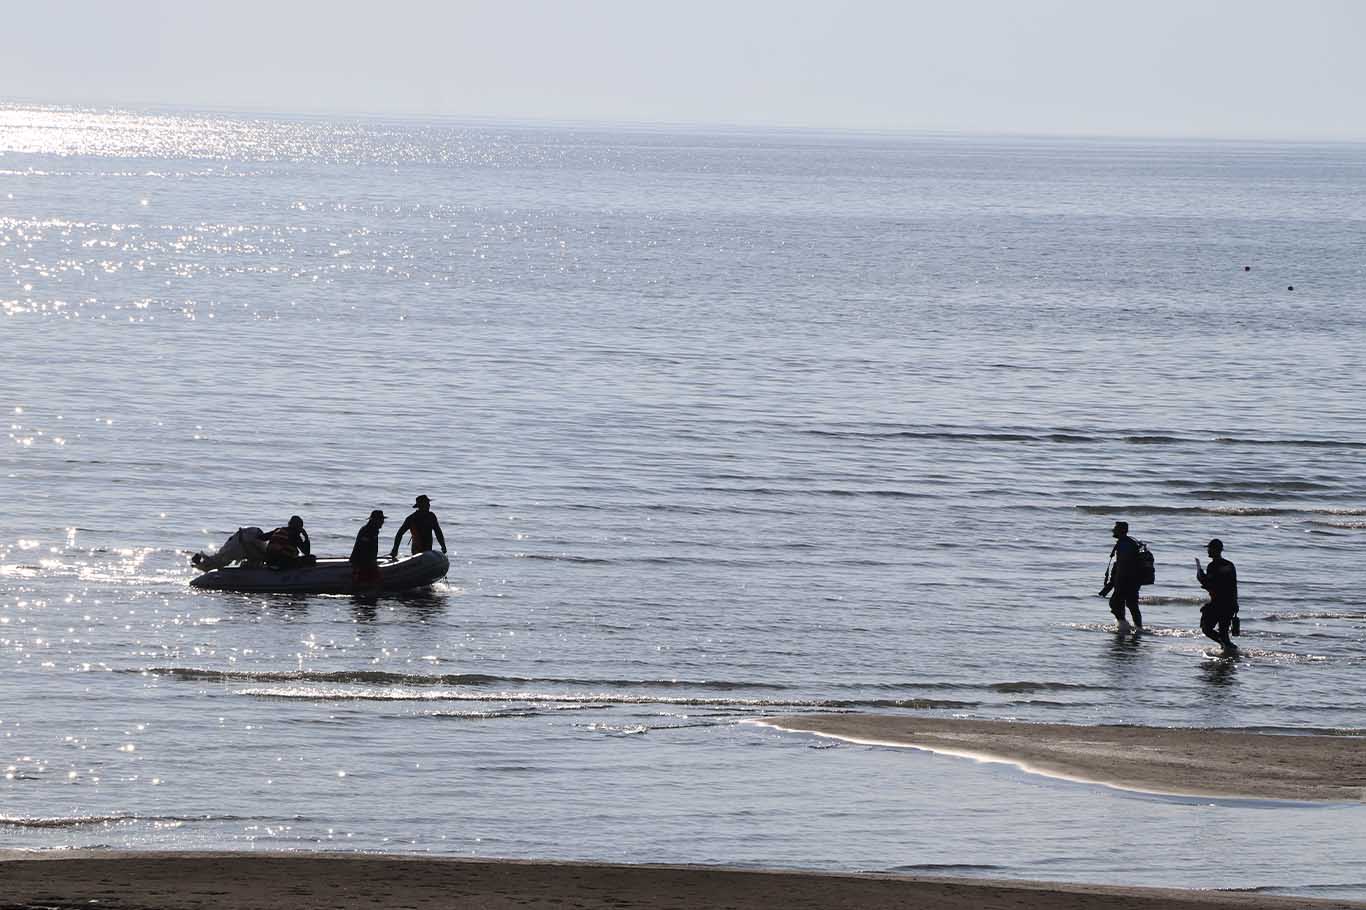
<point>280,544</point>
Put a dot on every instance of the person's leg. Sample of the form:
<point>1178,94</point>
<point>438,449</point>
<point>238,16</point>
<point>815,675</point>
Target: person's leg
<point>1133,608</point>
<point>365,579</point>
<point>1225,621</point>
<point>1209,623</point>
<point>1117,608</point>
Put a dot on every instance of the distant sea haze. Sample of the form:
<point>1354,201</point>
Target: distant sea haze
<point>717,427</point>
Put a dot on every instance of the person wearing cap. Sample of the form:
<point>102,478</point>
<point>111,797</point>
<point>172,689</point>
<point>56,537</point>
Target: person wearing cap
<point>423,524</point>
<point>365,554</point>
<point>1221,581</point>
<point>1124,577</point>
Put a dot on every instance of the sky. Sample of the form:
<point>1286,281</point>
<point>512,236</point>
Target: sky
<point>1272,69</point>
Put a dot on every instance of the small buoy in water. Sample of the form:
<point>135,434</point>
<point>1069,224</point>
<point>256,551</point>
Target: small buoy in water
<point>1247,268</point>
<point>1290,288</point>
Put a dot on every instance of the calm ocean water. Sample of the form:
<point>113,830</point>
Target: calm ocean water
<point>719,425</point>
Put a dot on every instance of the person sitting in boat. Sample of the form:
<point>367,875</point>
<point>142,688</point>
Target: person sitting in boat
<point>280,548</point>
<point>289,546</point>
<point>365,554</point>
<point>423,524</point>
<point>244,545</point>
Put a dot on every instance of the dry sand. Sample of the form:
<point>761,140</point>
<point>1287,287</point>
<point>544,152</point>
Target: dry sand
<point>1227,763</point>
<point>251,881</point>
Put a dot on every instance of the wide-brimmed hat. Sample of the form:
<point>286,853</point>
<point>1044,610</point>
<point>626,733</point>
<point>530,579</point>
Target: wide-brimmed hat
<point>420,500</point>
<point>377,514</point>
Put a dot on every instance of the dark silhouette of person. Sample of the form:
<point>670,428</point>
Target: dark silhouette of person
<point>1221,581</point>
<point>288,546</point>
<point>423,524</point>
<point>1124,577</point>
<point>365,554</point>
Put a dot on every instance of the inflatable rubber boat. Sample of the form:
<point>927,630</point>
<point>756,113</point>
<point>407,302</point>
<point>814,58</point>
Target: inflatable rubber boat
<point>326,576</point>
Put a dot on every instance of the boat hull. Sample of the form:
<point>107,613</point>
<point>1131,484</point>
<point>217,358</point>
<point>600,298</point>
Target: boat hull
<point>327,576</point>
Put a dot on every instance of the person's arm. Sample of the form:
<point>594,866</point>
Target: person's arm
<point>305,546</point>
<point>398,538</point>
<point>440,538</point>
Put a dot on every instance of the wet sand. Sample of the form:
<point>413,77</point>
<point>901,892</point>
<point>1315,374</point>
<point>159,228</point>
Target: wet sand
<point>1190,762</point>
<point>254,881</point>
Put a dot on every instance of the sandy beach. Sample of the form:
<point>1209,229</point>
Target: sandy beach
<point>241,881</point>
<point>1194,762</point>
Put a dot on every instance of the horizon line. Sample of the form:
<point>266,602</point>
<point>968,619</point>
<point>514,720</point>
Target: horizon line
<point>719,126</point>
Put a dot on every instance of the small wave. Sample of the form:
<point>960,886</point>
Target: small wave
<point>1345,888</point>
<point>1350,732</point>
<point>1051,703</point>
<point>1156,440</point>
<point>384,677</point>
<point>676,509</point>
<point>481,715</point>
<point>1219,510</point>
<point>1029,686</point>
<point>782,491</point>
<point>943,867</point>
<point>551,698</point>
<point>619,729</point>
<point>956,436</point>
<point>896,703</point>
<point>503,713</point>
<point>85,821</point>
<point>1264,493</point>
<point>1229,487</point>
<point>1326,614</point>
<point>1299,443</point>
<point>1159,599</point>
<point>565,557</point>
<point>1149,631</point>
<point>1280,657</point>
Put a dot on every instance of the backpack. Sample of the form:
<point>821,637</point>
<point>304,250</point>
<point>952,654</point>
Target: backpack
<point>1147,572</point>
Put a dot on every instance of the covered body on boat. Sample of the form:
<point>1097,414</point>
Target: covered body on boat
<point>327,576</point>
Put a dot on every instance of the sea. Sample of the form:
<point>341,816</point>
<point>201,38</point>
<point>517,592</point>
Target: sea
<point>720,424</point>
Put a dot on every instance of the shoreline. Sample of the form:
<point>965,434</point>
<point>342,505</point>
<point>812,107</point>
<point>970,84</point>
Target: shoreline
<point>1166,761</point>
<point>314,881</point>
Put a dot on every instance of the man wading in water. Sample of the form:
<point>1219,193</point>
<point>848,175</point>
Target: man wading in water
<point>1221,581</point>
<point>1124,578</point>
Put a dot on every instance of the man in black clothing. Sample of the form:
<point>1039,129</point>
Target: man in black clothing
<point>1124,577</point>
<point>365,554</point>
<point>423,525</point>
<point>1221,581</point>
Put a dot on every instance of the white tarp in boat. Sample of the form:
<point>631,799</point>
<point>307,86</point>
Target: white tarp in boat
<point>245,545</point>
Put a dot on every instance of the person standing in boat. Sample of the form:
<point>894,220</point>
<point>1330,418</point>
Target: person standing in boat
<point>423,524</point>
<point>365,554</point>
